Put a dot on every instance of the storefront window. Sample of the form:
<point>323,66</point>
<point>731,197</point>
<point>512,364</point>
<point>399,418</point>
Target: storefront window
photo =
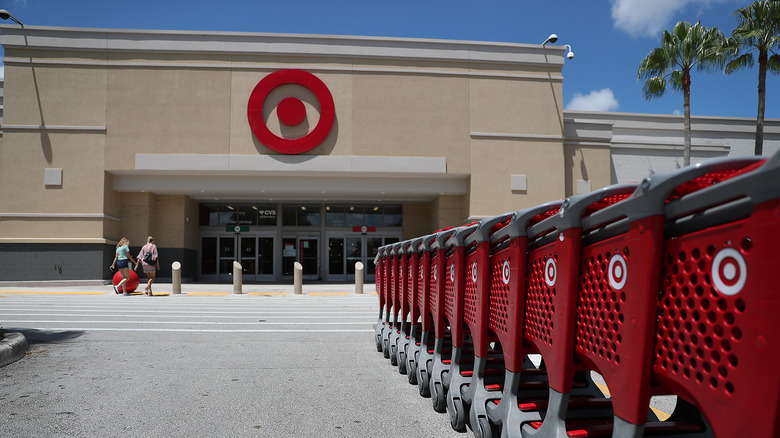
<point>334,216</point>
<point>227,214</point>
<point>266,214</point>
<point>392,216</point>
<point>301,215</point>
<point>309,215</point>
<point>246,215</point>
<point>208,214</point>
<point>354,216</point>
<point>373,216</point>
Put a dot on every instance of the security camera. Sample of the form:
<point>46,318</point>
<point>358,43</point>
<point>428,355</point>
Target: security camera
<point>551,39</point>
<point>569,55</point>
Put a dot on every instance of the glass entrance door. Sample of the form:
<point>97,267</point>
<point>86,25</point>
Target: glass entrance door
<point>302,249</point>
<point>344,250</point>
<point>254,251</point>
<point>227,254</point>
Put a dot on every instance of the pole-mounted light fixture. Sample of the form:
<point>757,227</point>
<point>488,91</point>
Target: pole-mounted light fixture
<point>550,39</point>
<point>5,15</point>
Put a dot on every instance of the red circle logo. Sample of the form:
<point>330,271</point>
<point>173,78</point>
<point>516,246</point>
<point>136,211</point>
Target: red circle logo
<point>291,111</point>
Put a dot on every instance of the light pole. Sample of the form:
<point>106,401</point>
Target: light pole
<point>5,15</point>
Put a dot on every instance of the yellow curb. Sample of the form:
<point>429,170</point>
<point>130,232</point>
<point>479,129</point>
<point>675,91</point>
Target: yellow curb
<point>50,292</point>
<point>663,416</point>
<point>330,293</point>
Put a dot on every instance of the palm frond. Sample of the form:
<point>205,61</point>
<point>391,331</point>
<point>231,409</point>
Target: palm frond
<point>654,87</point>
<point>739,63</point>
<point>773,64</point>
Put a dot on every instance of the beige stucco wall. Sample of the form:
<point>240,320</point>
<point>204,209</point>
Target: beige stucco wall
<point>587,163</point>
<point>91,111</point>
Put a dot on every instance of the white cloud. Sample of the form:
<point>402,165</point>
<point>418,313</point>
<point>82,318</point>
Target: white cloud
<point>596,100</point>
<point>2,71</point>
<point>677,112</point>
<point>640,18</point>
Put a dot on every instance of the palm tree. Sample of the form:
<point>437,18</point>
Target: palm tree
<point>758,29</point>
<point>685,47</point>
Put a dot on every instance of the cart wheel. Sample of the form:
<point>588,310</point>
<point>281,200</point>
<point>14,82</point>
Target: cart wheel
<point>411,372</point>
<point>438,397</point>
<point>386,348</point>
<point>457,413</point>
<point>401,362</point>
<point>423,382</point>
<point>394,355</point>
<point>484,429</point>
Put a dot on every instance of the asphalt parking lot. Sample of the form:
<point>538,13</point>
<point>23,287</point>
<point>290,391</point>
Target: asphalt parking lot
<point>204,363</point>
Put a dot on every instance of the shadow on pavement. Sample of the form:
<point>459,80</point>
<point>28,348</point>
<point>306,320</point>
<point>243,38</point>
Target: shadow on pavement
<point>47,336</point>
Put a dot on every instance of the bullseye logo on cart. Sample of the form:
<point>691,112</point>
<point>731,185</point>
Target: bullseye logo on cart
<point>287,92</point>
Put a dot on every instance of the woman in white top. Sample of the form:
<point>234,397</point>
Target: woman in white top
<point>151,264</point>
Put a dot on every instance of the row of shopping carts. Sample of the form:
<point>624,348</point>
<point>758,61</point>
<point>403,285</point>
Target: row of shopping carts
<point>664,287</point>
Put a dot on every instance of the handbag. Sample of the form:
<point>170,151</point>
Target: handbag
<point>148,257</point>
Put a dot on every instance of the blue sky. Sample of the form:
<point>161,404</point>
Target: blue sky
<point>608,37</point>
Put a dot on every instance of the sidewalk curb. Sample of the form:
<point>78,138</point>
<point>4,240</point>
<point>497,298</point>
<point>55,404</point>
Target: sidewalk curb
<point>12,347</point>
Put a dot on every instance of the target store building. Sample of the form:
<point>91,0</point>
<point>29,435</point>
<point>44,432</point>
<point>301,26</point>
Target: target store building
<point>271,149</point>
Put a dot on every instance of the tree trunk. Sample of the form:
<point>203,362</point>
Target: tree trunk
<point>762,62</point>
<point>687,121</point>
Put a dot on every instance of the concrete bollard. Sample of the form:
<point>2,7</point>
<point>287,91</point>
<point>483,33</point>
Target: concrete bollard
<point>298,278</point>
<point>176,277</point>
<point>238,273</point>
<point>359,278</point>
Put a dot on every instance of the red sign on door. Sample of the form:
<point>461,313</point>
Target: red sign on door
<point>364,229</point>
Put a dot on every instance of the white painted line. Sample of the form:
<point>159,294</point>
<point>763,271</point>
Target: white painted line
<point>86,329</point>
<point>185,322</point>
<point>189,315</point>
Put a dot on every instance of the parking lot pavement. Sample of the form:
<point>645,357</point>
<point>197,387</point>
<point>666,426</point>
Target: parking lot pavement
<point>204,363</point>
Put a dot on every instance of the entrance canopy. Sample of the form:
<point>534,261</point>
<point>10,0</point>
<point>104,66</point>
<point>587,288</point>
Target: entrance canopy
<point>291,177</point>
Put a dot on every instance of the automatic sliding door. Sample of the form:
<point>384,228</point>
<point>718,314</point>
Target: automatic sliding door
<point>309,256</point>
<point>227,254</point>
<point>354,254</point>
<point>265,258</point>
<point>372,249</point>
<point>336,258</point>
<point>248,257</point>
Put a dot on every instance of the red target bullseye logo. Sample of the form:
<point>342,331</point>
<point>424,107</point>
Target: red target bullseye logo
<point>474,272</point>
<point>291,111</point>
<point>550,272</point>
<point>452,273</point>
<point>618,272</point>
<point>435,273</point>
<point>506,273</point>
<point>729,271</point>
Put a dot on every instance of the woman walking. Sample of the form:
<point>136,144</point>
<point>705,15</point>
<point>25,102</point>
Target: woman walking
<point>150,263</point>
<point>121,261</point>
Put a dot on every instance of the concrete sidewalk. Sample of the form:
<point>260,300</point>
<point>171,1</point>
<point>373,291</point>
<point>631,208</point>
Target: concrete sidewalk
<point>187,288</point>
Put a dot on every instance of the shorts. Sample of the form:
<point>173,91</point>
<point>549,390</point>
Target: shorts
<point>122,264</point>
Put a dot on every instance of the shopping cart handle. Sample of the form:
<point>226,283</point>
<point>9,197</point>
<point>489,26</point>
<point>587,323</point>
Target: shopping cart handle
<point>520,219</point>
<point>484,227</point>
<point>458,238</point>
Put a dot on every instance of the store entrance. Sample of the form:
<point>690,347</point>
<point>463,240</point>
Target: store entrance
<point>254,251</point>
<point>305,250</point>
<point>346,249</point>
